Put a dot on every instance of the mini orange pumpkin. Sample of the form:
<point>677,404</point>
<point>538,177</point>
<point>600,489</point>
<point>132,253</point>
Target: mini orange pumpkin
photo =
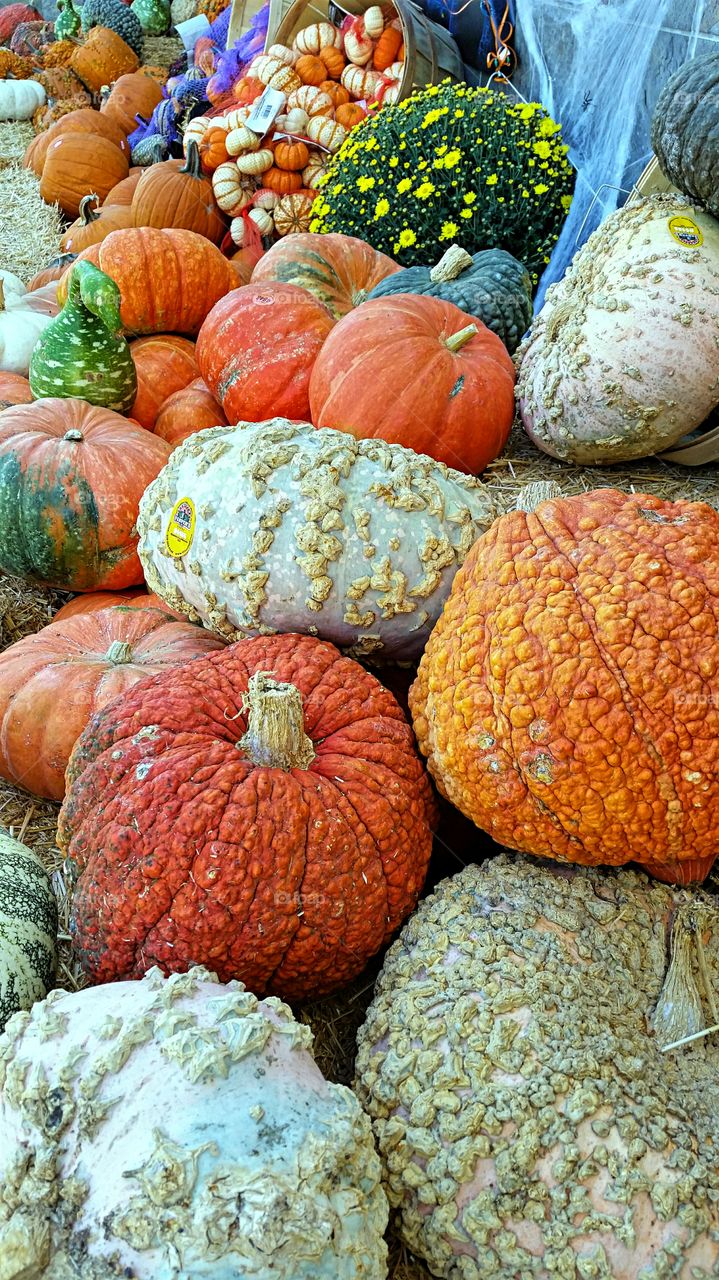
<point>349,114</point>
<point>311,70</point>
<point>337,93</point>
<point>333,60</point>
<point>213,151</point>
<point>282,181</point>
<point>386,50</point>
<point>291,155</point>
<point>248,89</point>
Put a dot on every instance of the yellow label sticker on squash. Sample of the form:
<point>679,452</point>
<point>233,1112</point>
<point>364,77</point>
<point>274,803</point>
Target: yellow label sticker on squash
<point>686,232</point>
<point>181,528</point>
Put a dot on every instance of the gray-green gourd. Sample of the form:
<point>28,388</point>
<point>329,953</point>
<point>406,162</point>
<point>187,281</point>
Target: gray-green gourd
<point>28,929</point>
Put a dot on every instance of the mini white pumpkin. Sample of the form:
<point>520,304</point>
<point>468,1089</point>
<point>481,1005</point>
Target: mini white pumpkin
<point>23,317</point>
<point>360,82</point>
<point>232,119</point>
<point>262,220</point>
<point>358,47</point>
<point>28,928</point>
<point>288,56</point>
<point>293,121</point>
<point>326,133</point>
<point>374,22</point>
<point>314,170</point>
<point>20,98</point>
<point>311,100</point>
<point>197,129</point>
<point>230,190</point>
<point>319,35</point>
<point>255,162</point>
<point>241,140</point>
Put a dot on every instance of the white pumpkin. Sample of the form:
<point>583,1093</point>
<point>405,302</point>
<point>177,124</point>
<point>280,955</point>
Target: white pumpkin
<point>622,360</point>
<point>28,928</point>
<point>359,540</point>
<point>23,317</point>
<point>19,99</point>
<point>176,1127</point>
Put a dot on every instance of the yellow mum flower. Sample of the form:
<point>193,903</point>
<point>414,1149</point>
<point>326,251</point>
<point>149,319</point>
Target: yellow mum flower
<point>406,239</point>
<point>528,110</point>
<point>542,149</point>
<point>381,208</point>
<point>365,183</point>
<point>403,185</point>
<point>566,203</point>
<point>449,231</point>
<point>492,180</point>
<point>470,197</point>
<point>547,128</point>
<point>466,213</point>
<point>425,190</point>
<point>541,188</point>
<point>431,118</point>
<point>452,158</point>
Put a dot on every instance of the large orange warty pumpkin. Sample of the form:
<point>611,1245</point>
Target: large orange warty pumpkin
<point>263,810</point>
<point>419,372</point>
<point>257,348</point>
<point>169,280</point>
<point>52,682</point>
<point>164,363</point>
<point>567,698</point>
<point>71,479</point>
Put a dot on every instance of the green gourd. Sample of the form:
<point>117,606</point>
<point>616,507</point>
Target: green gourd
<point>67,24</point>
<point>82,354</point>
<point>490,286</point>
<point>154,16</point>
<point>28,928</point>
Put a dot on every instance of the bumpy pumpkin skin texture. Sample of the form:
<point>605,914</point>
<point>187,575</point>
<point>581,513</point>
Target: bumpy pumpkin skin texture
<point>684,130</point>
<point>71,476</point>
<point>356,541</point>
<point>146,1122</point>
<point>287,879</point>
<point>28,928</point>
<point>528,1123</point>
<point>91,601</point>
<point>339,270</point>
<point>566,700</point>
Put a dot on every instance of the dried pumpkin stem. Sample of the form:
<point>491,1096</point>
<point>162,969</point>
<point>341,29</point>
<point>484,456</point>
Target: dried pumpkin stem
<point>120,651</point>
<point>275,736</point>
<point>704,970</point>
<point>458,340</point>
<point>74,435</point>
<point>2,296</point>
<point>452,263</point>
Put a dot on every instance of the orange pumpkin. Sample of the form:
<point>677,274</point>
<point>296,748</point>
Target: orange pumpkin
<point>335,92</point>
<point>14,389</point>
<point>339,270</point>
<point>77,163</point>
<point>283,181</point>
<point>387,49</point>
<point>94,224</point>
<point>53,682</point>
<point>84,120</point>
<point>293,156</point>
<point>164,364</point>
<point>132,95</point>
<point>187,411</point>
<point>245,261</point>
<point>53,271</point>
<point>91,601</point>
<point>102,58</point>
<point>168,279</point>
<point>176,193</point>
<point>334,61</point>
<point>311,70</point>
<point>248,89</point>
<point>350,114</point>
<point>416,371</point>
<point>566,698</point>
<point>79,472</point>
<point>125,190</point>
<point>213,149</point>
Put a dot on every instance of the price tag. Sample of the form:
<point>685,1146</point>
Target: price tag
<point>265,109</point>
<point>190,32</point>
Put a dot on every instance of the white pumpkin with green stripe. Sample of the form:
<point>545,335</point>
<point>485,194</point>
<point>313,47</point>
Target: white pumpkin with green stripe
<point>82,354</point>
<point>28,928</point>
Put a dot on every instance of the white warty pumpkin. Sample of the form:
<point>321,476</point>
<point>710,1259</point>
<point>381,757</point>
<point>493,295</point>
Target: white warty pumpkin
<point>528,1121</point>
<point>175,1127</point>
<point>623,358</point>
<point>28,929</point>
<point>356,541</point>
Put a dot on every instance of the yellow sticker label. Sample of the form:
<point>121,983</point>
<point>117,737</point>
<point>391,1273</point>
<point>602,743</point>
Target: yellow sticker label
<point>181,528</point>
<point>686,232</point>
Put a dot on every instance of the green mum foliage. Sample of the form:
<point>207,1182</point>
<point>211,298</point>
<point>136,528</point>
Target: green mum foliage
<point>451,164</point>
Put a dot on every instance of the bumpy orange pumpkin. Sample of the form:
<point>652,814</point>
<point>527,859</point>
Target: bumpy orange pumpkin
<point>333,60</point>
<point>102,58</point>
<point>417,372</point>
<point>187,411</point>
<point>164,363</point>
<point>387,49</point>
<point>213,149</point>
<point>275,821</point>
<point>53,682</point>
<point>310,69</point>
<point>349,114</point>
<point>168,279</point>
<point>176,193</point>
<point>336,92</point>
<point>566,701</point>
<point>248,89</point>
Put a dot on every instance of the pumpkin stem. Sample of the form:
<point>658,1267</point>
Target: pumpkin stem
<point>120,651</point>
<point>679,1015</point>
<point>192,160</point>
<point>275,736</point>
<point>2,296</point>
<point>73,434</point>
<point>88,214</point>
<point>452,263</point>
<point>459,340</point>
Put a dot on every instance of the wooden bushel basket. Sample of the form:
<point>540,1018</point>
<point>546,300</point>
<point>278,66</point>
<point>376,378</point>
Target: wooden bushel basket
<point>430,54</point>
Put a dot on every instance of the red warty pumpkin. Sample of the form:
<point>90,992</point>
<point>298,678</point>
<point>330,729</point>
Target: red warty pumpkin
<point>262,810</point>
<point>164,364</point>
<point>169,280</point>
<point>419,372</point>
<point>187,411</point>
<point>91,601</point>
<point>257,348</point>
<point>71,479</point>
<point>52,683</point>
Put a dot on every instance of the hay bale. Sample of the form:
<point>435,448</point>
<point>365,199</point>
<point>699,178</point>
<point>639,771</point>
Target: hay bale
<point>162,51</point>
<point>30,230</point>
<point>25,608</point>
<point>15,138</point>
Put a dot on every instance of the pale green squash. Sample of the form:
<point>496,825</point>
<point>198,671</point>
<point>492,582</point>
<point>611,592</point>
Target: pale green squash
<point>28,928</point>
